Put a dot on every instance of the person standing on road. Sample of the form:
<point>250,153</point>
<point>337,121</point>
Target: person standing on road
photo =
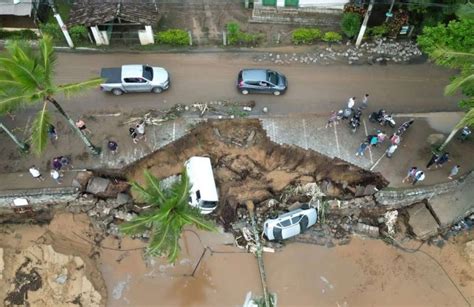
<point>454,171</point>
<point>56,176</point>
<point>133,134</point>
<point>433,159</point>
<point>57,163</point>
<point>65,162</point>
<point>112,146</point>
<point>362,148</point>
<point>82,126</point>
<point>52,134</point>
<point>441,160</point>
<point>411,174</point>
<point>34,171</point>
<point>140,128</point>
<point>365,102</point>
<point>332,119</point>
<point>351,102</point>
<point>419,176</point>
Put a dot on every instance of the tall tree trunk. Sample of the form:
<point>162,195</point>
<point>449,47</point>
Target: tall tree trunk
<point>23,146</point>
<point>450,137</point>
<point>92,148</point>
<point>261,268</point>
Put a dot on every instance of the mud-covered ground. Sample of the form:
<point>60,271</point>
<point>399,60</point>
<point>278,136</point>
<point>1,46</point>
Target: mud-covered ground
<point>248,166</point>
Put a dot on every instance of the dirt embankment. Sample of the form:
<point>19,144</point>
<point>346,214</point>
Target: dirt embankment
<point>248,166</point>
<point>45,266</point>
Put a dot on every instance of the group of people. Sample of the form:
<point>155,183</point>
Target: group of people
<point>137,133</point>
<point>415,175</point>
<point>334,117</point>
<point>372,141</point>
<point>56,173</point>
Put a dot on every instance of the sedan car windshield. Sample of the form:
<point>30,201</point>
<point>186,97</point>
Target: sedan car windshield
<point>272,77</point>
<point>147,72</point>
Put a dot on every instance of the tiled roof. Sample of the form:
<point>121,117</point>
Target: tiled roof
<point>93,12</point>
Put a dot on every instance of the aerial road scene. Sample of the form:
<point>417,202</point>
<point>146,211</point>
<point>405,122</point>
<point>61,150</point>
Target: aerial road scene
<point>253,153</point>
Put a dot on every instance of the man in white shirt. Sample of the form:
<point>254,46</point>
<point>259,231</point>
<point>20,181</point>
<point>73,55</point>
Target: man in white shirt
<point>36,173</point>
<point>56,176</point>
<point>351,103</point>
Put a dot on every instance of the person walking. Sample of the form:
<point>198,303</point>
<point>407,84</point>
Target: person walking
<point>133,134</point>
<point>52,134</point>
<point>332,119</point>
<point>441,160</point>
<point>140,128</point>
<point>433,159</point>
<point>112,146</point>
<point>56,176</point>
<point>65,162</point>
<point>454,171</point>
<point>411,174</point>
<point>419,176</point>
<point>365,102</point>
<point>362,148</point>
<point>34,171</point>
<point>82,126</point>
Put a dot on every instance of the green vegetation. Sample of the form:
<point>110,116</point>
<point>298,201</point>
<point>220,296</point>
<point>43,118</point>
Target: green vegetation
<point>19,35</point>
<point>332,37</point>
<point>350,24</point>
<point>237,37</point>
<point>167,217</point>
<point>53,30</point>
<point>78,34</point>
<point>174,37</point>
<point>27,79</point>
<point>378,31</point>
<point>457,35</point>
<point>305,35</point>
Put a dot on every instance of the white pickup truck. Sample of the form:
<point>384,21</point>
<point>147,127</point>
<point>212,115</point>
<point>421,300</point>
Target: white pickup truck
<point>134,78</point>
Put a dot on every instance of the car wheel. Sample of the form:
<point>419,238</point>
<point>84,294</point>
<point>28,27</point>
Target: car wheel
<point>117,92</point>
<point>245,92</point>
<point>276,93</point>
<point>157,90</point>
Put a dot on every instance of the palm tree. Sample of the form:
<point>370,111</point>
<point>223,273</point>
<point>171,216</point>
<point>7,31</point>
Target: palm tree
<point>169,212</point>
<point>23,146</point>
<point>26,78</point>
<point>465,61</point>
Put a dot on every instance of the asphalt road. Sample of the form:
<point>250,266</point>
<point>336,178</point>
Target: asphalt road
<point>201,77</point>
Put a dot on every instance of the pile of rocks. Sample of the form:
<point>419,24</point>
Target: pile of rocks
<point>379,51</point>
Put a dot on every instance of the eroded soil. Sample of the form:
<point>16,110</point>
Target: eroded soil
<point>248,166</point>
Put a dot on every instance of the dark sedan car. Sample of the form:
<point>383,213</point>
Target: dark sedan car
<point>261,81</point>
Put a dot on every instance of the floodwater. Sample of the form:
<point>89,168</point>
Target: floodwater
<point>363,273</point>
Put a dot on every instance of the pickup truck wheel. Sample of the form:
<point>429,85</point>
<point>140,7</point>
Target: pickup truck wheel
<point>276,93</point>
<point>117,92</point>
<point>245,92</point>
<point>157,90</point>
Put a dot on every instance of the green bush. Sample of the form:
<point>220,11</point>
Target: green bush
<point>457,35</point>
<point>20,35</point>
<point>52,29</point>
<point>332,37</point>
<point>175,37</point>
<point>237,37</point>
<point>305,35</point>
<point>78,33</point>
<point>350,24</point>
<point>378,31</point>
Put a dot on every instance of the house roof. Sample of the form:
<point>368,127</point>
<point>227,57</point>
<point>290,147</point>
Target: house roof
<point>92,12</point>
<point>9,7</point>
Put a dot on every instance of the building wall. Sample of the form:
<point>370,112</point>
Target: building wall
<point>329,4</point>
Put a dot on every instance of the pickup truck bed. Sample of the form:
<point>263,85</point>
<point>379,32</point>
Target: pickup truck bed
<point>112,75</point>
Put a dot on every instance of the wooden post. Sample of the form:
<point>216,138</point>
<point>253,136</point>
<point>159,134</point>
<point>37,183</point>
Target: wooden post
<point>258,253</point>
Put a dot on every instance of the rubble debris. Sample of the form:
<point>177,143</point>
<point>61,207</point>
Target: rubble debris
<point>97,185</point>
<point>390,219</point>
<point>367,230</point>
<point>421,221</point>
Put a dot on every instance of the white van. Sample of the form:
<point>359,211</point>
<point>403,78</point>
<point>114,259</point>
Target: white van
<point>203,194</point>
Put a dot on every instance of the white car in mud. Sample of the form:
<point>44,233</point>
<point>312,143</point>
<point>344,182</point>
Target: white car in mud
<point>290,224</point>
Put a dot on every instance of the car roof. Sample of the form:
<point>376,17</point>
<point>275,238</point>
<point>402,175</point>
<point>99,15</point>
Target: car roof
<point>132,71</point>
<point>199,170</point>
<point>254,74</point>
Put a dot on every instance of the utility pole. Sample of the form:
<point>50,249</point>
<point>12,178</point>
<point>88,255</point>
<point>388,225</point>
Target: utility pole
<point>389,13</point>
<point>364,23</point>
<point>61,24</point>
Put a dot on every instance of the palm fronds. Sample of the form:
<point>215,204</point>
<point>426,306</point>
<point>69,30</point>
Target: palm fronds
<point>39,135</point>
<point>169,214</point>
<point>74,88</point>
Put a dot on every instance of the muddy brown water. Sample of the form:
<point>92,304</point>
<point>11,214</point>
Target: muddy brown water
<point>362,273</point>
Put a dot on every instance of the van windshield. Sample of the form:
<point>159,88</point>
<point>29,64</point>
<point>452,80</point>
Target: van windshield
<point>209,204</point>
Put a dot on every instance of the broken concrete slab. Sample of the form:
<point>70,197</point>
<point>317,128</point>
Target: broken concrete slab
<point>97,185</point>
<point>422,222</point>
<point>451,207</point>
<point>368,230</point>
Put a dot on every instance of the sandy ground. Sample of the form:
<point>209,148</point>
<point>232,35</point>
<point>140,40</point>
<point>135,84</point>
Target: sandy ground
<point>362,273</point>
